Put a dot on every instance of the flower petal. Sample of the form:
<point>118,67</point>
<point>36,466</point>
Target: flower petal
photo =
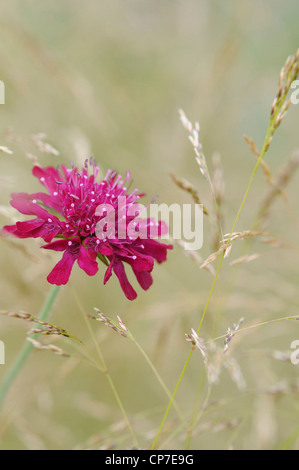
<point>141,262</point>
<point>71,244</point>
<point>144,278</point>
<point>105,249</point>
<point>51,201</point>
<point>23,203</point>
<point>119,270</point>
<point>9,230</point>
<point>155,249</point>
<point>108,273</point>
<point>47,176</point>
<point>87,261</point>
<point>29,225</point>
<point>62,271</point>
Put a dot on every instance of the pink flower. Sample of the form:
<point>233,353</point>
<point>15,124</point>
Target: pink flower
<point>75,198</point>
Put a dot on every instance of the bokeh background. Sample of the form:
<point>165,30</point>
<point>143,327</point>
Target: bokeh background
<point>106,79</point>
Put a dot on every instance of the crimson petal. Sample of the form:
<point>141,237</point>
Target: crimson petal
<point>144,278</point>
<point>156,249</point>
<point>119,270</point>
<point>87,261</point>
<point>22,202</point>
<point>30,225</point>
<point>47,176</point>
<point>60,275</point>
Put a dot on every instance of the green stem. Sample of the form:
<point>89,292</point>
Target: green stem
<point>195,408</point>
<point>158,377</point>
<point>170,402</point>
<point>269,134</point>
<point>110,380</point>
<point>105,370</point>
<point>257,325</point>
<point>21,359</point>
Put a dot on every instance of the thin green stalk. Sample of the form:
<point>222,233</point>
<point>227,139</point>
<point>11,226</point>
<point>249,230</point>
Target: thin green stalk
<point>204,405</point>
<point>170,402</point>
<point>158,376</point>
<point>195,408</point>
<point>17,366</point>
<point>111,383</point>
<point>257,325</point>
<point>188,359</point>
<point>131,337</point>
<point>246,247</point>
<point>269,134</point>
<point>105,370</point>
<point>202,411</point>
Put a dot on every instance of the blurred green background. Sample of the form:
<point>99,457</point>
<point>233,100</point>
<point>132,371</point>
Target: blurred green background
<point>106,79</point>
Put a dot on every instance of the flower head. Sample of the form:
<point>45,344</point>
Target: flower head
<point>90,221</point>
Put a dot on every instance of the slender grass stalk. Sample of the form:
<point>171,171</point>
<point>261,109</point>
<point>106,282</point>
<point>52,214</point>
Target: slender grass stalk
<point>245,420</point>
<point>275,115</point>
<point>215,204</point>
<point>188,358</point>
<point>257,325</point>
<point>247,246</point>
<point>195,408</point>
<point>132,338</point>
<point>288,444</point>
<point>197,416</point>
<point>24,354</point>
<point>105,370</point>
<point>158,377</point>
<point>171,401</point>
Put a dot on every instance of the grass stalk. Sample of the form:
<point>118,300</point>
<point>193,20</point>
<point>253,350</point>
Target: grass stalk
<point>269,134</point>
<point>25,352</point>
<point>106,372</point>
